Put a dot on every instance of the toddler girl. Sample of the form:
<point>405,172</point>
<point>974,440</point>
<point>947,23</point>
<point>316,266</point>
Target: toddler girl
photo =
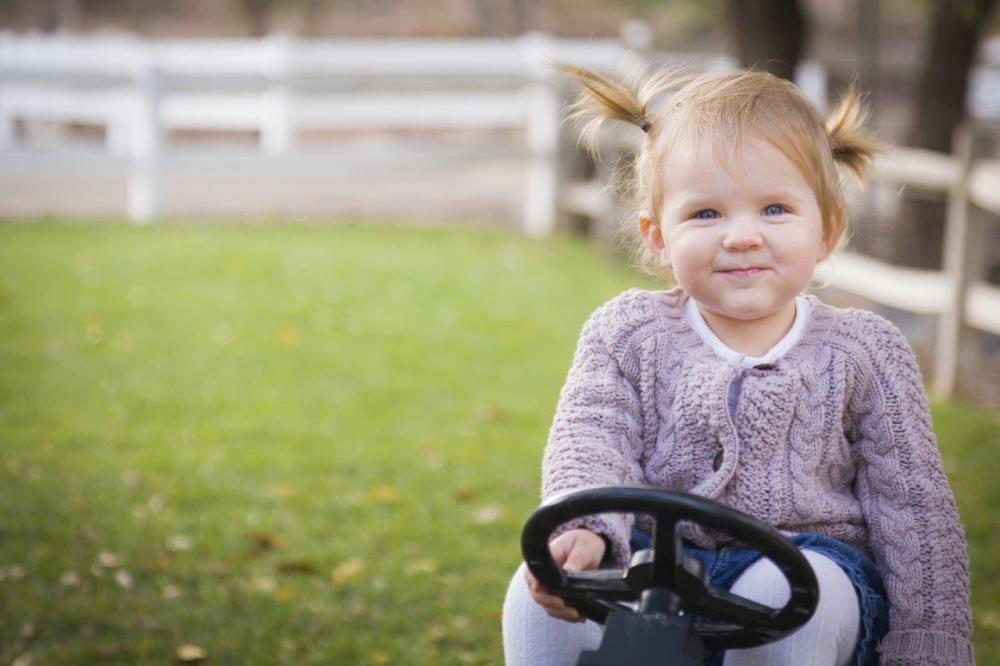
<point>737,387</point>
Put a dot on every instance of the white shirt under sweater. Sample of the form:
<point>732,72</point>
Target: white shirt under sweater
<point>795,333</point>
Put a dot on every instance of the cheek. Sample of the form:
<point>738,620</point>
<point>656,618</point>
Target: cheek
<point>690,249</point>
<point>800,255</point>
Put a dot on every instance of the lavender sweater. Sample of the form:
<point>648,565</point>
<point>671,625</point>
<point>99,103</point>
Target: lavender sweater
<point>835,437</point>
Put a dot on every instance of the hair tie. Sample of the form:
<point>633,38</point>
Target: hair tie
<point>645,126</point>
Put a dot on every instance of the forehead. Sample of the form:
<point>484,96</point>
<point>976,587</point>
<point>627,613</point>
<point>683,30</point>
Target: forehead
<point>705,163</point>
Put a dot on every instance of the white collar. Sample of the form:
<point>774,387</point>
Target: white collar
<point>802,313</point>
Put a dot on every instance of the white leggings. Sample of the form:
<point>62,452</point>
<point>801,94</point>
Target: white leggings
<point>531,637</point>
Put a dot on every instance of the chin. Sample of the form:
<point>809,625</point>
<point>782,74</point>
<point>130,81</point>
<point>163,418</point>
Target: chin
<point>745,311</point>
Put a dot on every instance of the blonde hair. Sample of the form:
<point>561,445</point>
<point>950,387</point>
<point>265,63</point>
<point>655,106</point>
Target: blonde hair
<point>727,109</point>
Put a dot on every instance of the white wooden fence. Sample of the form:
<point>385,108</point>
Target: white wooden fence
<point>140,90</point>
<point>958,295</point>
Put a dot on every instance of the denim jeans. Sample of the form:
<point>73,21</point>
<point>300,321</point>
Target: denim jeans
<point>725,566</point>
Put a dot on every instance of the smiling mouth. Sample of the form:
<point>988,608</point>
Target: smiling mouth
<point>744,272</point>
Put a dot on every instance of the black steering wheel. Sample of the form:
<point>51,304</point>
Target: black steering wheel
<point>664,580</point>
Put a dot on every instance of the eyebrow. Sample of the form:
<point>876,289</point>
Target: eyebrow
<point>703,200</point>
<point>781,195</point>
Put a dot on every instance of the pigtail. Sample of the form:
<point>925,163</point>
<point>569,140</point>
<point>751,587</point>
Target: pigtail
<point>603,98</point>
<point>852,145</point>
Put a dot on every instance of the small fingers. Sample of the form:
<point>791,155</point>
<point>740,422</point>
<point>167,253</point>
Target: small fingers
<point>556,606</point>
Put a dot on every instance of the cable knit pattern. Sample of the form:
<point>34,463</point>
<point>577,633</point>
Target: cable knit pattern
<point>835,437</point>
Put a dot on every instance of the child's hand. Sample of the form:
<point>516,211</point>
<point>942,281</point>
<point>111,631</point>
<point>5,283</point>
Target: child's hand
<point>575,550</point>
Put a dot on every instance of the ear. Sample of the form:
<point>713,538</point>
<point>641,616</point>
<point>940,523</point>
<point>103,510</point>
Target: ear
<point>831,235</point>
<point>655,240</point>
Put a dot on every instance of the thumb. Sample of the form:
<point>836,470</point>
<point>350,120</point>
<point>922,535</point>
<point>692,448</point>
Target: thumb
<point>578,558</point>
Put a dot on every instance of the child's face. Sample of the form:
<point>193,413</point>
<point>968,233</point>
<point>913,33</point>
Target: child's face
<point>741,238</point>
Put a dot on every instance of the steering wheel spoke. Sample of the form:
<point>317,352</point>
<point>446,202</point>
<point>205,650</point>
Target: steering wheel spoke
<point>607,582</point>
<point>729,607</point>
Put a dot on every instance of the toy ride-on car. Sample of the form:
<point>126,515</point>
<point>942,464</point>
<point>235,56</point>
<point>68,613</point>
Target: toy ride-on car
<point>662,609</point>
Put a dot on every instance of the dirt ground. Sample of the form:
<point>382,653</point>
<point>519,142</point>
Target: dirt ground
<point>480,192</point>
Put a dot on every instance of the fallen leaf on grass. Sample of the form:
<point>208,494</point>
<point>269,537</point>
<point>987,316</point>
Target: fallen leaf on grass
<point>380,658</point>
<point>155,563</point>
<point>263,541</point>
<point>94,328</point>
<point>288,335</point>
<point>155,503</point>
<point>217,567</point>
<point>262,584</point>
<point>130,478</point>
<point>489,514</point>
<point>13,572</point>
<point>105,650</point>
<point>285,594</point>
<point>124,579</point>
<point>437,631</point>
<point>347,571</point>
<point>425,565</point>
<point>179,542</point>
<point>70,579</point>
<point>297,567</point>
<point>463,495</point>
<point>492,413</point>
<point>188,652</point>
<point>172,591</point>
<point>990,619</point>
<point>383,494</point>
<point>223,336</point>
<point>282,490</point>
<point>107,560</point>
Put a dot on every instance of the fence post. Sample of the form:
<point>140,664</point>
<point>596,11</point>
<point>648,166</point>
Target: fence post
<point>276,131</point>
<point>146,143</point>
<point>955,267</point>
<point>542,109</point>
<point>8,132</point>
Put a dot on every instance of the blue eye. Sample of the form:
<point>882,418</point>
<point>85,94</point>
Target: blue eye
<point>775,209</point>
<point>707,214</point>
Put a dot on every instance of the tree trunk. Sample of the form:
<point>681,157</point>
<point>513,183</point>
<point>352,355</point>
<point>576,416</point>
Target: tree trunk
<point>258,13</point>
<point>53,15</point>
<point>955,29</point>
<point>510,17</point>
<point>769,34</point>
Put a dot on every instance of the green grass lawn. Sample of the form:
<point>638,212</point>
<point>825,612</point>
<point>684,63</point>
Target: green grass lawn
<point>295,444</point>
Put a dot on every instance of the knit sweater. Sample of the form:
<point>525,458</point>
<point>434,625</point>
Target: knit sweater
<point>833,437</point>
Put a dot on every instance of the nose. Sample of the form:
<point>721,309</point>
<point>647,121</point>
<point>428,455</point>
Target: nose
<point>742,234</point>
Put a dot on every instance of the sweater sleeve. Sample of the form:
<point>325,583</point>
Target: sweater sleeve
<point>914,532</point>
<point>595,439</point>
